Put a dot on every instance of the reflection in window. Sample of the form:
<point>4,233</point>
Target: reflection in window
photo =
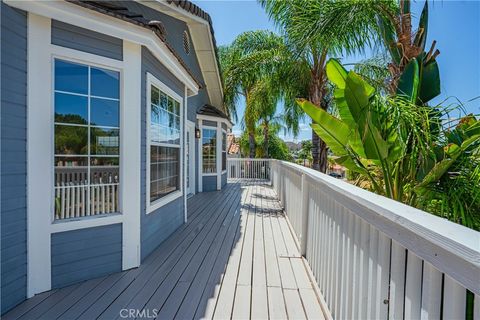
<point>87,109</point>
<point>164,144</point>
<point>209,150</point>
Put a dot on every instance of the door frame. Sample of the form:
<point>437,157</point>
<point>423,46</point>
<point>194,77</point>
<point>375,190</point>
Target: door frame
<point>192,148</point>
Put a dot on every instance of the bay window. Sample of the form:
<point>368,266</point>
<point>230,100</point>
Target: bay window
<point>209,150</point>
<point>86,139</point>
<point>164,143</point>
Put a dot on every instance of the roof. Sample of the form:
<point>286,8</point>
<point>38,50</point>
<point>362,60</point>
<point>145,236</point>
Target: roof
<point>115,9</point>
<point>209,110</point>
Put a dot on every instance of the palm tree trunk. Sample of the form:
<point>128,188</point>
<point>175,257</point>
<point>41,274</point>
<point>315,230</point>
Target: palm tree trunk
<point>265,139</point>
<point>316,92</point>
<point>251,142</point>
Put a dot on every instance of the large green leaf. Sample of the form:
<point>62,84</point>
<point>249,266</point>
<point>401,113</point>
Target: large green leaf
<point>409,81</point>
<point>331,130</point>
<point>357,94</point>
<point>336,73</point>
<point>389,39</point>
<point>437,172</point>
<point>421,36</point>
<point>429,82</point>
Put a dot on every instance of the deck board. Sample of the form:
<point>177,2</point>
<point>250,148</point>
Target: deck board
<point>235,258</point>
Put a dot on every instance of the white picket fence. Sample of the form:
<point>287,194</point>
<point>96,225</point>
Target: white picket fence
<point>245,168</point>
<point>75,198</point>
<point>375,258</point>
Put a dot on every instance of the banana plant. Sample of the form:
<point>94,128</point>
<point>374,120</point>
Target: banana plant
<point>357,137</point>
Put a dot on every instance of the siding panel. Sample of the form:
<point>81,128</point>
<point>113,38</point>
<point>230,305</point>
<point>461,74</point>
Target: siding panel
<point>161,223</point>
<point>209,183</point>
<point>73,37</point>
<point>13,157</point>
<point>85,254</point>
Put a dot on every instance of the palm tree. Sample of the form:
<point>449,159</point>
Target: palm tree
<point>252,67</point>
<point>300,21</point>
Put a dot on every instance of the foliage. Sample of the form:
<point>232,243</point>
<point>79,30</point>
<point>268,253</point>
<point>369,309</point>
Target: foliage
<point>391,142</point>
<point>305,153</point>
<point>277,148</point>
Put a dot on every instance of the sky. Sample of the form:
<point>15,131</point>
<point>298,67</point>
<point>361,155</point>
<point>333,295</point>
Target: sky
<point>455,25</point>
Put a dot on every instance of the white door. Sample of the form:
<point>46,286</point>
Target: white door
<point>190,157</point>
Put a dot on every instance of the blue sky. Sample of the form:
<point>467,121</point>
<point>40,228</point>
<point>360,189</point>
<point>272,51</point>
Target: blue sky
<point>454,24</point>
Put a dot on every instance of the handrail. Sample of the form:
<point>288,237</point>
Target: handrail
<point>397,253</point>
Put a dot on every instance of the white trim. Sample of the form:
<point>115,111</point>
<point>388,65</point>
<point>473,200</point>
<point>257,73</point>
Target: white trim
<point>200,157</point>
<point>150,207</point>
<point>40,170</point>
<point>216,119</point>
<point>219,155</point>
<point>130,154</point>
<point>199,30</point>
<point>85,18</point>
<point>40,146</point>
<point>185,164</point>
<point>191,127</point>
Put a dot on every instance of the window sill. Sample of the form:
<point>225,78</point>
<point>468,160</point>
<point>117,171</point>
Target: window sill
<point>164,201</point>
<point>86,222</point>
<point>209,174</point>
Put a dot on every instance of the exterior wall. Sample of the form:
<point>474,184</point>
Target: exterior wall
<point>209,183</point>
<point>13,157</point>
<point>85,254</point>
<point>224,179</point>
<point>91,252</point>
<point>156,226</point>
<point>73,37</point>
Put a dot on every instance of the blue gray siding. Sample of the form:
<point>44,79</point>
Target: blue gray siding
<point>159,224</point>
<point>13,157</point>
<point>224,179</point>
<point>73,37</point>
<point>85,254</point>
<point>209,183</point>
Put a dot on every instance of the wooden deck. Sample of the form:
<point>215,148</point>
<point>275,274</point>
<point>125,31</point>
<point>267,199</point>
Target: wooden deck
<point>235,258</point>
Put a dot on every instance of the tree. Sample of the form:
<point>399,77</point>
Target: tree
<point>305,153</point>
<point>253,66</point>
<point>312,47</point>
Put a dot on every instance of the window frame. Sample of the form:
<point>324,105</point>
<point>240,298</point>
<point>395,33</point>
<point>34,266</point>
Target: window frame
<point>81,58</point>
<point>216,155</point>
<point>152,206</point>
<point>224,151</point>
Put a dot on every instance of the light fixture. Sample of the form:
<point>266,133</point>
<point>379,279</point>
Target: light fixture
<point>197,133</point>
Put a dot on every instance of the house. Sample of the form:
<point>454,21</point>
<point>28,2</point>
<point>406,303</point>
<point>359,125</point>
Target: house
<point>112,116</point>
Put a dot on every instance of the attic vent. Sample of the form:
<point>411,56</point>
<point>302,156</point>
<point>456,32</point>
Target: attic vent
<point>186,42</point>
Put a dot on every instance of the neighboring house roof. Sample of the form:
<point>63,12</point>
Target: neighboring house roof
<point>232,146</point>
<point>116,10</point>
<point>209,110</point>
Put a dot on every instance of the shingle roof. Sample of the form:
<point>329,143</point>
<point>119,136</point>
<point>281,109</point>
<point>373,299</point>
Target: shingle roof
<point>116,10</point>
<point>210,110</point>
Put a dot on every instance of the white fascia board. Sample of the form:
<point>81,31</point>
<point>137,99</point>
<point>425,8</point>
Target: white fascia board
<point>199,27</point>
<point>216,119</point>
<point>95,21</point>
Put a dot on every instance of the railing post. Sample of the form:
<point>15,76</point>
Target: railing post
<point>304,216</point>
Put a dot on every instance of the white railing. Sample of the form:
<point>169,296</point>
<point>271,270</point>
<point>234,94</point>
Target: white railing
<point>77,196</point>
<point>245,168</point>
<point>375,258</point>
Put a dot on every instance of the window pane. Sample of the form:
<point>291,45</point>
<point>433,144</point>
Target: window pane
<point>164,171</point>
<point>71,108</point>
<point>104,112</point>
<point>71,187</point>
<point>209,151</point>
<point>71,77</point>
<point>224,161</point>
<point>71,140</point>
<point>104,141</point>
<point>105,83</point>
<point>104,171</point>
<point>155,95</point>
